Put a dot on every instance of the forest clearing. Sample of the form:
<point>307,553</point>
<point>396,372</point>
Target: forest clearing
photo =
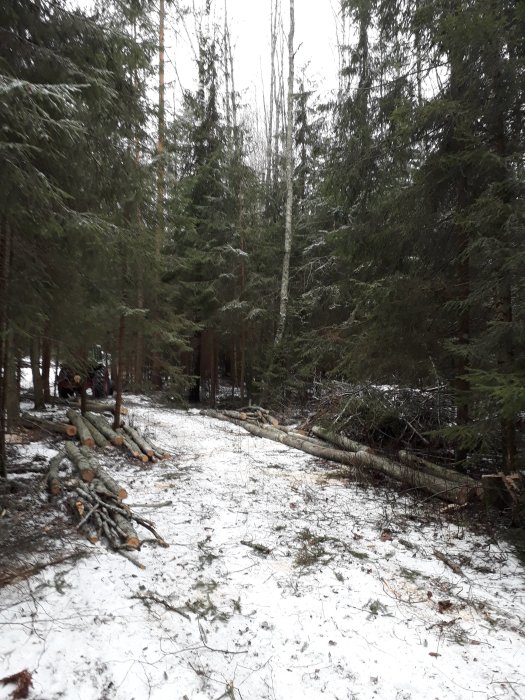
<point>289,241</point>
<point>282,579</point>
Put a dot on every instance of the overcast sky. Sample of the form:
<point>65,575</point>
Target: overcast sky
<point>249,21</point>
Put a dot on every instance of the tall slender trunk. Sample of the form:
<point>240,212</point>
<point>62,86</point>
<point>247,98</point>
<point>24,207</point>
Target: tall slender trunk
<point>461,262</point>
<point>505,361</point>
<point>38,384</point>
<point>156,375</point>
<point>285,280</point>
<point>5,274</point>
<point>46,363</point>
<point>120,371</point>
<point>504,314</point>
<point>12,392</point>
<point>269,140</point>
<point>161,137</point>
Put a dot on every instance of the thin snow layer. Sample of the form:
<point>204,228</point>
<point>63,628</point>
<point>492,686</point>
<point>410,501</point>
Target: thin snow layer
<point>328,608</point>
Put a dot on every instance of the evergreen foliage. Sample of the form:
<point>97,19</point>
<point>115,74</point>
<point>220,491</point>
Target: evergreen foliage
<point>408,257</point>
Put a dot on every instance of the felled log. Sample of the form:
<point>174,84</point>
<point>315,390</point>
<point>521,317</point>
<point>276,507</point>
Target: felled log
<point>84,435</point>
<point>90,458</point>
<point>131,446</point>
<point>53,481</point>
<point>239,415</point>
<point>253,413</point>
<point>131,539</point>
<point>99,439</point>
<point>139,440</point>
<point>338,440</point>
<point>453,492</point>
<point>438,470</point>
<point>103,426</point>
<point>97,407</point>
<point>111,485</point>
<point>30,421</point>
<point>84,468</point>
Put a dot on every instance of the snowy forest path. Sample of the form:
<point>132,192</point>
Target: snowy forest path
<point>279,583</point>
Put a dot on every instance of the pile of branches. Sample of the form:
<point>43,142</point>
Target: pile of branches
<point>389,418</point>
<point>96,500</point>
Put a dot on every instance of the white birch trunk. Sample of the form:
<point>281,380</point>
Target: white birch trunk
<point>289,185</point>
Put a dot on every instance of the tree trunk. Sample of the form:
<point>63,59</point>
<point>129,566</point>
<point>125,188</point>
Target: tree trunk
<point>38,385</point>
<point>5,270</point>
<point>285,280</point>
<point>12,393</point>
<point>103,426</point>
<point>46,363</point>
<point>120,351</point>
<point>84,468</point>
<point>269,136</point>
<point>505,361</point>
<point>461,258</point>
<point>33,422</point>
<point>447,490</point>
<point>84,435</point>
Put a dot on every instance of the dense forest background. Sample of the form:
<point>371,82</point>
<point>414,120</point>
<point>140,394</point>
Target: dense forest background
<point>162,237</point>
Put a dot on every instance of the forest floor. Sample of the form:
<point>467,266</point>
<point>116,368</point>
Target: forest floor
<point>282,581</point>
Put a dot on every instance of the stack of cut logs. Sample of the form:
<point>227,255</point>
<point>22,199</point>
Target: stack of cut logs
<point>443,483</point>
<point>95,497</point>
<point>93,429</point>
<point>97,501</point>
<point>253,414</point>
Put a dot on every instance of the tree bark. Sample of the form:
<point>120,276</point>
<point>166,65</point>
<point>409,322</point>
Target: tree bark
<point>32,421</point>
<point>38,384</point>
<point>285,280</point>
<point>120,370</point>
<point>339,440</point>
<point>5,269</point>
<point>99,439</point>
<point>84,435</point>
<point>140,441</point>
<point>84,468</point>
<point>103,426</point>
<point>451,491</point>
<point>46,363</point>
<point>53,481</point>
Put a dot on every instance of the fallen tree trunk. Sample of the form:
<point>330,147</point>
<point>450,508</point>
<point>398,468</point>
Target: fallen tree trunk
<point>132,446</point>
<point>238,415</point>
<point>30,421</point>
<point>131,539</point>
<point>339,440</point>
<point>84,435</point>
<point>96,407</point>
<point>99,439</point>
<point>103,426</point>
<point>438,470</point>
<point>84,468</point>
<point>110,484</point>
<point>453,492</point>
<point>53,481</point>
<point>421,464</point>
<point>140,441</point>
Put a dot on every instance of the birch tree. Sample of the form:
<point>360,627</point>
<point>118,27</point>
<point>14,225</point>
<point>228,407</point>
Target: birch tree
<point>285,279</point>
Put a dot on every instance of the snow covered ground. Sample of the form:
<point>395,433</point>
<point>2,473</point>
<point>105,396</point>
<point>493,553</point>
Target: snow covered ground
<point>280,582</point>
